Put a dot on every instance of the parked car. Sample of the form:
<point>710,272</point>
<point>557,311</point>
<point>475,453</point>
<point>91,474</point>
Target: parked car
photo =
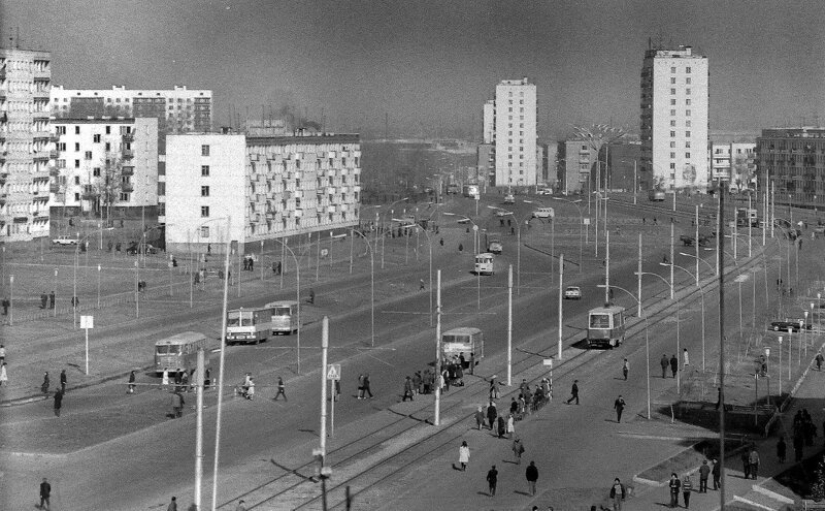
<point>795,325</point>
<point>546,191</point>
<point>544,213</point>
<point>134,249</point>
<point>573,293</point>
<point>509,199</point>
<point>64,241</point>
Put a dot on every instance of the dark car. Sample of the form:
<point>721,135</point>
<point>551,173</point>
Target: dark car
<point>134,249</point>
<point>794,325</point>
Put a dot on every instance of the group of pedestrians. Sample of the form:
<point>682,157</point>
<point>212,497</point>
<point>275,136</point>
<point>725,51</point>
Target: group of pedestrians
<point>44,387</point>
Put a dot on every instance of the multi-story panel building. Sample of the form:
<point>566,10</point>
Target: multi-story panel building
<point>105,167</point>
<point>488,117</point>
<point>674,119</point>
<point>623,165</point>
<point>270,187</point>
<point>484,164</point>
<point>792,160</point>
<point>25,144</point>
<point>576,158</point>
<point>514,133</point>
<point>176,110</point>
<point>733,163</point>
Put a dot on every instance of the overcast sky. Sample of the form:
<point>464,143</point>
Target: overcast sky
<point>430,64</point>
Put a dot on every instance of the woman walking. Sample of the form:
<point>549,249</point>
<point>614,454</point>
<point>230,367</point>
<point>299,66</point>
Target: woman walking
<point>463,456</point>
<point>44,388</point>
<point>518,450</point>
<point>4,377</point>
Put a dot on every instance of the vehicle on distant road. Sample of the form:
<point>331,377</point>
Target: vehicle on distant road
<point>494,245</point>
<point>135,248</point>
<point>605,327</point>
<point>544,213</point>
<point>64,241</point>
<point>656,195</point>
<point>484,264</point>
<point>509,199</point>
<point>545,191</point>
<point>794,325</point>
<point>453,189</point>
<point>248,326</point>
<point>285,316</point>
<point>180,352</point>
<point>745,216</point>
<point>471,191</point>
<point>687,240</point>
<point>573,293</point>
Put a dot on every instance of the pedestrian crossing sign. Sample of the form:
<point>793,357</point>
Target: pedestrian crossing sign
<point>333,371</point>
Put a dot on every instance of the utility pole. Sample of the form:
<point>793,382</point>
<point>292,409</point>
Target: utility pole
<point>720,261</point>
<point>510,326</point>
<point>199,428</point>
<point>437,410</point>
<point>561,303</point>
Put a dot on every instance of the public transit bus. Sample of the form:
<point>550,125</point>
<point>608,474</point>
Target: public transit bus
<point>248,325</point>
<point>466,340</point>
<point>605,327</point>
<point>180,352</point>
<point>285,317</point>
<point>484,264</point>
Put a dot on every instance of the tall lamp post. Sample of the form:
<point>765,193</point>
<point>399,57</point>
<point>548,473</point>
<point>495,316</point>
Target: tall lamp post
<point>372,287</point>
<point>518,221</point>
<point>581,226</point>
<point>297,299</point>
<point>430,244</point>
<point>74,279</point>
<point>702,294</point>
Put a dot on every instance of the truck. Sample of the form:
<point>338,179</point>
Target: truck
<point>494,245</point>
<point>745,217</point>
<point>656,195</point>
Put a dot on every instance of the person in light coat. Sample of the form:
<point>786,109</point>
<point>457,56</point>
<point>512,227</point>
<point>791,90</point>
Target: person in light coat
<point>463,456</point>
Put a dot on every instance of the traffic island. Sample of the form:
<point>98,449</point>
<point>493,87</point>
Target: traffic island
<point>689,460</point>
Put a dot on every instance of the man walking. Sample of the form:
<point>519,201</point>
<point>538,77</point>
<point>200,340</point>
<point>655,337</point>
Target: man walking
<point>687,488</point>
<point>408,389</point>
<point>664,363</point>
<point>574,392</point>
<point>58,402</point>
<point>492,480</point>
<point>367,385</point>
<point>63,381</point>
<point>819,359</point>
<point>45,493</point>
<point>674,485</point>
<point>674,365</point>
<point>619,406</point>
<point>281,389</point>
<point>685,358</point>
<point>532,474</point>
<point>617,493</point>
<point>625,369</point>
<point>131,383</point>
<point>717,474</point>
<point>704,472</point>
<point>753,461</point>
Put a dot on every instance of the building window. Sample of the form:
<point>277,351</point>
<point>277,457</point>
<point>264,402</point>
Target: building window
<point>687,155</point>
<point>673,69</point>
<point>687,134</point>
<point>204,150</point>
<point>673,91</point>
<point>672,165</point>
<point>673,113</point>
<point>77,180</point>
<point>96,172</point>
<point>687,123</point>
<point>672,155</point>
<point>61,164</point>
<point>672,101</point>
<point>687,70</point>
<point>687,112</point>
<point>687,91</point>
<point>77,146</point>
<point>687,80</point>
<point>672,144</point>
<point>687,144</point>
<point>77,164</point>
<point>673,81</point>
<point>204,170</point>
<point>61,130</point>
<point>108,130</point>
<point>204,211</point>
<point>76,197</point>
<point>96,138</point>
<point>687,102</point>
<point>205,231</point>
<point>204,191</point>
<point>672,123</point>
<point>77,130</point>
<point>124,197</point>
<point>672,133</point>
<point>108,146</point>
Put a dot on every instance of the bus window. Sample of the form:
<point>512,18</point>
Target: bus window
<point>617,319</point>
<point>600,321</point>
<point>282,311</point>
<point>247,321</point>
<point>162,350</point>
<point>455,338</point>
<point>233,322</point>
<point>174,349</point>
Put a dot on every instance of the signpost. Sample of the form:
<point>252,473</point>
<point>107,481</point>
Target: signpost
<point>86,323</point>
<point>549,363</point>
<point>333,375</point>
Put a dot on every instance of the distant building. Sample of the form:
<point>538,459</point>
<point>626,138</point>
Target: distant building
<point>674,119</point>
<point>576,157</point>
<point>623,166</point>
<point>733,163</point>
<point>513,121</point>
<point>793,161</point>
<point>485,164</point>
<point>105,167</point>
<point>25,79</point>
<point>176,110</point>
<point>488,120</point>
<point>270,186</point>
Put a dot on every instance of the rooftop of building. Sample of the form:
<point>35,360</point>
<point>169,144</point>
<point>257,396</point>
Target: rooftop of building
<point>35,54</point>
<point>523,81</point>
<point>677,52</point>
<point>96,120</point>
<point>122,88</point>
<point>795,132</point>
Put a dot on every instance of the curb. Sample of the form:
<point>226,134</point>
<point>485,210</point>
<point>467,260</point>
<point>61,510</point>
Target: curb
<point>743,500</point>
<point>772,494</point>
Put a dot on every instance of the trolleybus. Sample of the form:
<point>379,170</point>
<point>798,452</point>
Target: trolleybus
<point>180,352</point>
<point>285,317</point>
<point>605,327</point>
<point>484,263</point>
<point>248,325</point>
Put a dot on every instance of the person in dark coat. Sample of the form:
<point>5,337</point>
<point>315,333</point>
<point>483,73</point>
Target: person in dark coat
<point>716,472</point>
<point>492,413</point>
<point>131,382</point>
<point>44,387</point>
<point>44,299</point>
<point>492,480</point>
<point>664,363</point>
<point>502,426</point>
<point>63,381</point>
<point>574,392</point>
<point>619,406</point>
<point>51,300</point>
<point>532,475</point>
<point>674,365</point>
<point>45,493</point>
<point>408,389</point>
<point>58,402</point>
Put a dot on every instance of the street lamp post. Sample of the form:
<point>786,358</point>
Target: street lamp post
<point>702,294</point>
<point>581,225</point>
<point>297,299</point>
<point>372,288</point>
<point>418,229</point>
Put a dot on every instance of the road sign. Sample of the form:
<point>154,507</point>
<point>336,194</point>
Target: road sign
<point>333,371</point>
<point>586,221</point>
<point>547,362</point>
<point>87,321</point>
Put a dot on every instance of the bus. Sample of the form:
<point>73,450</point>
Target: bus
<point>605,327</point>
<point>285,317</point>
<point>248,325</point>
<point>466,340</point>
<point>180,352</point>
<point>484,264</point>
<point>656,195</point>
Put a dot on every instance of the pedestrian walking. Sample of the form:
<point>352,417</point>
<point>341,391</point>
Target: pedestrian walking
<point>716,472</point>
<point>131,383</point>
<point>674,365</point>
<point>367,385</point>
<point>6,304</point>
<point>664,363</point>
<point>619,405</point>
<point>685,358</point>
<point>63,381</point>
<point>617,494</point>
<point>625,369</point>
<point>494,387</point>
<point>704,472</point>
<point>502,426</point>
<point>479,417</point>
<point>173,505</point>
<point>250,391</point>
<point>574,392</point>
<point>164,380</point>
<point>687,488</point>
<point>361,386</point>
<point>2,353</point>
<point>4,377</point>
<point>518,450</point>
<point>463,456</point>
<point>176,402</point>
<point>44,387</point>
<point>511,426</point>
<point>492,414</point>
<point>45,494</point>
<point>51,300</point>
<point>781,449</point>
<point>421,285</point>
<point>532,475</point>
<point>819,359</point>
<point>492,480</point>
<point>311,296</point>
<point>58,402</point>
<point>408,389</point>
<point>281,389</point>
<point>674,485</point>
<point>753,461</point>
<point>240,506</point>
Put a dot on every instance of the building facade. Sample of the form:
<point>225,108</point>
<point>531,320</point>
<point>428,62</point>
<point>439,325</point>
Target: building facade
<point>107,168</point>
<point>514,116</point>
<point>623,166</point>
<point>177,110</point>
<point>674,119</point>
<point>733,163</point>
<point>576,157</point>
<point>484,164</point>
<point>25,140</point>
<point>270,187</point>
<point>792,161</point>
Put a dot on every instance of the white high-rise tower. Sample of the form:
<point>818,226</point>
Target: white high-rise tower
<point>514,133</point>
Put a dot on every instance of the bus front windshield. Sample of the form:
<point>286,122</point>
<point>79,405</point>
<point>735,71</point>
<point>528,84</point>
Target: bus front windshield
<point>233,322</point>
<point>281,311</point>
<point>600,321</point>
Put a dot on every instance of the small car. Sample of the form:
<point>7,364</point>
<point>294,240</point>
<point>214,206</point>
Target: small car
<point>545,191</point>
<point>794,325</point>
<point>64,241</point>
<point>509,199</point>
<point>573,293</point>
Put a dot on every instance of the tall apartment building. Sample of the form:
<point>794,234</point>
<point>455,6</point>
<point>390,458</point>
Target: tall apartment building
<point>270,186</point>
<point>793,161</point>
<point>25,144</point>
<point>512,122</point>
<point>674,119</point>
<point>176,110</point>
<point>105,167</point>
<point>488,117</point>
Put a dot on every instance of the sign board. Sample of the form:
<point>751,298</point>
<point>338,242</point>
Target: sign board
<point>547,362</point>
<point>586,221</point>
<point>333,371</point>
<point>87,321</point>
<point>454,348</point>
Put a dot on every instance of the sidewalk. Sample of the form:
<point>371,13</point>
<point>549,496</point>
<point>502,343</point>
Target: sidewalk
<point>751,493</point>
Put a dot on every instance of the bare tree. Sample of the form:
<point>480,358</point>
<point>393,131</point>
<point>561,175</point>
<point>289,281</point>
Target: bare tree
<point>114,178</point>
